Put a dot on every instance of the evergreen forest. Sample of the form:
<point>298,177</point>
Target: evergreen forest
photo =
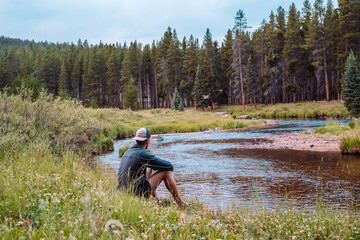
<point>297,54</point>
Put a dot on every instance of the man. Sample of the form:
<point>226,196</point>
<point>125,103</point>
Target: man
<point>135,171</point>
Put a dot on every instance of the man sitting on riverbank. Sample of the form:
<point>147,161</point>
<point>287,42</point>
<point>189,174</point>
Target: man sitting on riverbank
<point>136,166</point>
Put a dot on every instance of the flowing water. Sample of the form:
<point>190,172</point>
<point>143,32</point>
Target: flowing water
<point>227,168</point>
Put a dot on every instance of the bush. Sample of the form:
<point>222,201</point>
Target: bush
<point>105,143</point>
<point>350,145</point>
<point>123,150</point>
<point>352,124</point>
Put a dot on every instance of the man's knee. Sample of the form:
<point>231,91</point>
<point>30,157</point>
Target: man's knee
<point>168,173</point>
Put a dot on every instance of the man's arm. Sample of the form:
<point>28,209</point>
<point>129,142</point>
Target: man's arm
<point>155,163</point>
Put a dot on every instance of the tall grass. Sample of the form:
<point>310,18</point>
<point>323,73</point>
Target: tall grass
<point>49,195</point>
<point>350,144</point>
<point>350,141</point>
<point>67,124</point>
<point>45,195</point>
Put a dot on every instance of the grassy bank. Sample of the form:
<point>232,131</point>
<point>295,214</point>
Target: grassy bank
<point>50,191</point>
<point>350,133</point>
<point>47,196</point>
<point>67,124</point>
<point>290,110</point>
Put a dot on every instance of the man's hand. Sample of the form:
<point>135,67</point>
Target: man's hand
<point>148,172</point>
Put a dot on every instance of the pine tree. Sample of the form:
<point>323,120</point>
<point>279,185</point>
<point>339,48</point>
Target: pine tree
<point>165,67</point>
<point>305,22</point>
<point>177,101</point>
<point>208,68</point>
<point>349,27</point>
<point>316,41</point>
<point>280,43</point>
<point>92,78</point>
<point>148,75</point>
<point>10,67</point>
<point>112,80</point>
<point>69,66</point>
<point>181,106</point>
<point>63,78</point>
<point>351,85</point>
<point>27,63</point>
<point>251,81</point>
<point>271,41</point>
<point>76,77</point>
<point>292,48</point>
<point>198,91</point>
<point>226,70</point>
<point>239,28</point>
<point>50,70</point>
<point>190,63</point>
<point>130,95</point>
<point>154,91</point>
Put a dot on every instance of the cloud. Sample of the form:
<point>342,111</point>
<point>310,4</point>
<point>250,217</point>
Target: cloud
<point>123,20</point>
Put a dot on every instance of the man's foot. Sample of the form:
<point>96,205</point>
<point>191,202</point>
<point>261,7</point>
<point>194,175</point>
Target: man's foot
<point>184,204</point>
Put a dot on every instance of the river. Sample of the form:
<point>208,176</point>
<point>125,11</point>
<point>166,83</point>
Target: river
<point>227,169</point>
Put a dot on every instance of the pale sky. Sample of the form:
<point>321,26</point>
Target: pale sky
<point>114,21</point>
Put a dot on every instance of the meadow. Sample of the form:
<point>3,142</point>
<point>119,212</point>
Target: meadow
<point>304,110</point>
<point>50,191</point>
<point>67,124</point>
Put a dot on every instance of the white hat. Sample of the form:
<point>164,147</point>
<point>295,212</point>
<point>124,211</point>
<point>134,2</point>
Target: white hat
<point>142,134</point>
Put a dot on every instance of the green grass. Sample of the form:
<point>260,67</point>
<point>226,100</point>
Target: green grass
<point>350,144</point>
<point>67,124</point>
<point>123,150</point>
<point>333,127</point>
<point>350,141</point>
<point>306,110</point>
<point>44,195</point>
<point>49,190</point>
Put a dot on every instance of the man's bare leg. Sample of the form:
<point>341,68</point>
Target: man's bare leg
<point>170,184</point>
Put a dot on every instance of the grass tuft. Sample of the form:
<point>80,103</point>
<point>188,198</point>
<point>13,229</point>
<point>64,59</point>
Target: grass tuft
<point>123,150</point>
<point>350,144</point>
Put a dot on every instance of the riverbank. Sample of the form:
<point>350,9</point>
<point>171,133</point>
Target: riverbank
<point>304,110</point>
<point>333,137</point>
<point>67,124</point>
<point>50,191</point>
<point>305,140</point>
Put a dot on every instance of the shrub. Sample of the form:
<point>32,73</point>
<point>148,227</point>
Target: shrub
<point>350,145</point>
<point>123,150</point>
<point>105,144</point>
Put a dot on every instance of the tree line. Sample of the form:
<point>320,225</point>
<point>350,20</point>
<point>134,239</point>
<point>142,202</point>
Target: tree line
<point>295,55</point>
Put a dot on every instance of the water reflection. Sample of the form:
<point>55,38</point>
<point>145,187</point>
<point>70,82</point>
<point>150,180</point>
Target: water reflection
<point>227,168</point>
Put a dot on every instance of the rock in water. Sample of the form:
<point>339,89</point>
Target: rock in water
<point>156,138</point>
<point>243,117</point>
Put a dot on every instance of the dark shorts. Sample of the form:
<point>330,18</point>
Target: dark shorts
<point>143,190</point>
